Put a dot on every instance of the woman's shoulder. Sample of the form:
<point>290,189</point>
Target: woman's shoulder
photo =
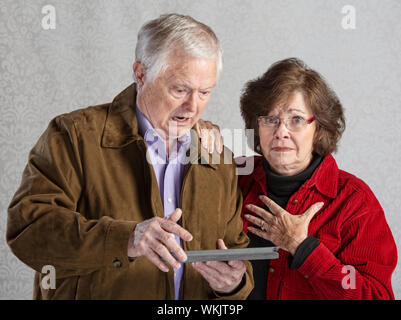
<point>336,181</point>
<point>351,195</point>
<point>354,184</point>
<point>360,200</point>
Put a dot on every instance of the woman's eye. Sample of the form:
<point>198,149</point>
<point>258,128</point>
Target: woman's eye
<point>272,120</point>
<point>298,120</point>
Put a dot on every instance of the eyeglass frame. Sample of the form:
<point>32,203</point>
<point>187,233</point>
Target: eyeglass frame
<point>307,121</point>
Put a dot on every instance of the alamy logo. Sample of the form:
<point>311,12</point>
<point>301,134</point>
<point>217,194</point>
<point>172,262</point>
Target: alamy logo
<point>235,139</point>
<point>348,281</point>
<point>49,278</point>
<point>349,19</point>
<point>49,20</point>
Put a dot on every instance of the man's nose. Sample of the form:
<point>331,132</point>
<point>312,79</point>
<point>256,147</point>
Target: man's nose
<point>191,101</point>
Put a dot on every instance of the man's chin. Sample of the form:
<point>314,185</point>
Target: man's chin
<point>177,130</point>
<point>176,133</point>
<point>183,131</point>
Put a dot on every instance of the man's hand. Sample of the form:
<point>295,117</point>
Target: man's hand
<point>154,239</point>
<point>222,277</point>
<point>279,226</point>
<point>210,136</point>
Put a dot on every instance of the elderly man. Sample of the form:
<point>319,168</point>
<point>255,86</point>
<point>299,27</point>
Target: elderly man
<point>113,195</point>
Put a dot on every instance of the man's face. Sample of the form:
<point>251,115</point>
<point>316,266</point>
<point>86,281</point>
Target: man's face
<point>178,96</point>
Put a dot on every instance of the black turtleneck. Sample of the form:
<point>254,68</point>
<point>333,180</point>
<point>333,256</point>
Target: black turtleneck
<point>280,189</point>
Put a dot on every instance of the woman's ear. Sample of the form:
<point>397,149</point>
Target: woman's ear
<point>140,73</point>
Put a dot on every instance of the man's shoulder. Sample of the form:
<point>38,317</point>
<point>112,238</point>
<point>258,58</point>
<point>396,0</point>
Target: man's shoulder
<point>84,116</point>
<point>83,121</point>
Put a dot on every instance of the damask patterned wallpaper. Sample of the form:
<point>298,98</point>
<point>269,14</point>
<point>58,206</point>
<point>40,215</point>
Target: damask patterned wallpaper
<point>59,55</point>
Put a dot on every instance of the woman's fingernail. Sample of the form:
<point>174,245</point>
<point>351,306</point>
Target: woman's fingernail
<point>320,205</point>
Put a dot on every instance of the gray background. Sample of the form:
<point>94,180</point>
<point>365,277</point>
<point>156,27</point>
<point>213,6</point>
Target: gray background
<point>87,60</point>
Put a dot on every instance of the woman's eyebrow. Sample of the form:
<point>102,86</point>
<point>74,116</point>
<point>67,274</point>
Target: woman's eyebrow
<point>295,109</point>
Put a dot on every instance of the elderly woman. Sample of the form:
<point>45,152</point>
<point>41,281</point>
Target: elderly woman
<point>334,239</point>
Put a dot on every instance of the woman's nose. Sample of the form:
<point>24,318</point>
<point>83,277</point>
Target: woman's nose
<point>281,131</point>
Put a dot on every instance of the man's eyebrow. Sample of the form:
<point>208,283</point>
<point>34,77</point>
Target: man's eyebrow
<point>189,86</point>
<point>208,88</point>
<point>180,82</point>
<point>176,81</point>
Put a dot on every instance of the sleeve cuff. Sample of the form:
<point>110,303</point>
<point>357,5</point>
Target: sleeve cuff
<point>303,251</point>
<point>116,246</point>
<point>318,262</point>
<point>236,290</point>
<point>243,290</point>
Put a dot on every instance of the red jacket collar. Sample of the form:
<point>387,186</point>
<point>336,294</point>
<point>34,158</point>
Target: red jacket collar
<point>325,177</point>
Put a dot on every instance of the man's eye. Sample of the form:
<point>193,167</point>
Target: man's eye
<point>179,92</point>
<point>205,93</point>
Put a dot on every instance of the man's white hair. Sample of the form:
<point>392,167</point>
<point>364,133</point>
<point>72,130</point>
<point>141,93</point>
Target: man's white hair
<point>159,37</point>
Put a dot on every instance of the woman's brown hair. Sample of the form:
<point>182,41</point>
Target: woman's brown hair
<point>280,81</point>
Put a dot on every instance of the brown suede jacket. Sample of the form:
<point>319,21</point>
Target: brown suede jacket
<point>86,186</point>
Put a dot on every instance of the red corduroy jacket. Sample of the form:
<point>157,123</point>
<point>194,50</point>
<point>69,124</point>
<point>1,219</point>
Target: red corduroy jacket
<point>357,253</point>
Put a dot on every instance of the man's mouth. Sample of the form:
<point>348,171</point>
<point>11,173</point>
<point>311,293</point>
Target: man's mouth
<point>181,120</point>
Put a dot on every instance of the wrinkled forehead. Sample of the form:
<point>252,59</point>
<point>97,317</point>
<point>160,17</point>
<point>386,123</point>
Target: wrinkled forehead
<point>192,72</point>
<point>290,103</point>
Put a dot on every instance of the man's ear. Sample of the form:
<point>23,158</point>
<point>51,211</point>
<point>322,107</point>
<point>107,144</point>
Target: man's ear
<point>140,73</point>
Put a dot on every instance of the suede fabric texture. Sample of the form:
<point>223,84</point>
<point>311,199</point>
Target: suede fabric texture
<point>86,186</point>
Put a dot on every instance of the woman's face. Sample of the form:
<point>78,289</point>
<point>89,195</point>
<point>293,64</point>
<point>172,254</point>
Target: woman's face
<point>288,152</point>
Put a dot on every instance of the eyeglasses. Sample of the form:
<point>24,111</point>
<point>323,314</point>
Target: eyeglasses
<point>294,124</point>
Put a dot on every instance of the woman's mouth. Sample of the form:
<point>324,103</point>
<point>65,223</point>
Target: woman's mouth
<point>281,149</point>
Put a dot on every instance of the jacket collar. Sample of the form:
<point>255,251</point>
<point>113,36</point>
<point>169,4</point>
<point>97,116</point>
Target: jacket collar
<point>121,127</point>
<point>325,177</point>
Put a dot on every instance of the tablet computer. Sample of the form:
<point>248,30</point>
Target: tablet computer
<point>262,253</point>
